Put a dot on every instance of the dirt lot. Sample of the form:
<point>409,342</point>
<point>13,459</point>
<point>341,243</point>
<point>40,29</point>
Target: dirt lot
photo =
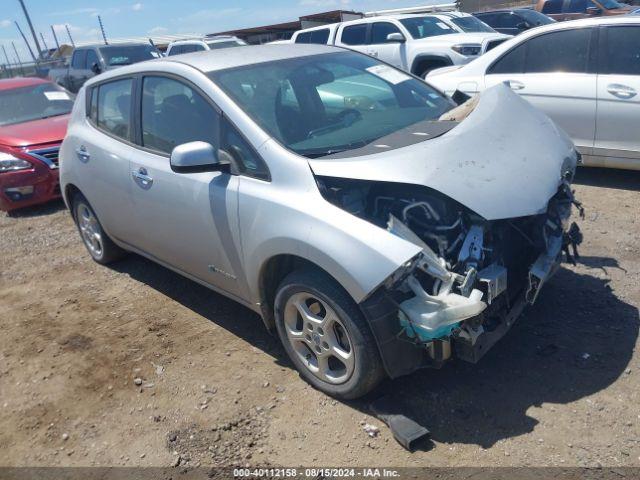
<point>561,389</point>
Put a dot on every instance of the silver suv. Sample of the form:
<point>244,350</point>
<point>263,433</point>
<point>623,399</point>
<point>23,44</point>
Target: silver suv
<point>375,225</point>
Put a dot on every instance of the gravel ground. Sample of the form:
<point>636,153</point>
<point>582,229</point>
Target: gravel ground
<point>135,365</point>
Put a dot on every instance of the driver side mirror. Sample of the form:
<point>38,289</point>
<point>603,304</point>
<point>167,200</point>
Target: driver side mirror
<point>396,37</point>
<point>95,68</point>
<point>594,11</point>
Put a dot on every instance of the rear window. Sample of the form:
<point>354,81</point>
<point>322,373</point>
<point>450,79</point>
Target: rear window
<point>126,55</point>
<point>320,37</point>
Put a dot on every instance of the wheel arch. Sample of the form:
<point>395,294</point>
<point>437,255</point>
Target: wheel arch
<point>421,60</point>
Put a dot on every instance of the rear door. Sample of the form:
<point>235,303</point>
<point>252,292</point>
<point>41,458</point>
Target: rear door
<point>101,154</point>
<point>555,72</point>
<point>354,37</point>
<point>185,220</point>
<point>388,51</point>
<point>618,119</point>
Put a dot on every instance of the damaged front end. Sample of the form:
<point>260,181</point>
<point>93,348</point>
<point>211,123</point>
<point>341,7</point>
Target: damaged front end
<point>472,278</point>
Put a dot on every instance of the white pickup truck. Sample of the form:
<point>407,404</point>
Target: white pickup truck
<point>415,43</point>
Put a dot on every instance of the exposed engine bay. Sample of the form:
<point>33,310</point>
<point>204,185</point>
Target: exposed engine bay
<point>473,277</point>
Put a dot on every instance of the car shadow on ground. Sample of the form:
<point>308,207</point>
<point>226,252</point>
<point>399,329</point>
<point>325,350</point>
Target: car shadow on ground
<point>575,341</point>
<point>38,210</point>
<point>608,178</point>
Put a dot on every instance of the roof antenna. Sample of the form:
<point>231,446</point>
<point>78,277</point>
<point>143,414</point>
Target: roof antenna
<point>104,36</point>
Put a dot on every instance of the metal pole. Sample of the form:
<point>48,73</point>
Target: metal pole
<point>55,37</point>
<point>33,32</point>
<point>70,37</point>
<point>5,55</point>
<point>44,43</point>
<point>25,41</point>
<point>18,58</point>
<point>104,37</point>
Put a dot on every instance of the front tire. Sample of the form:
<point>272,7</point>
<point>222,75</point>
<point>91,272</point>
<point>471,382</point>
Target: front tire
<point>326,336</point>
<point>101,248</point>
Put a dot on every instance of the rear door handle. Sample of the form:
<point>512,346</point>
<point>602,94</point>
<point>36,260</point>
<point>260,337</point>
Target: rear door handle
<point>621,91</point>
<point>514,84</point>
<point>142,178</point>
<point>82,153</point>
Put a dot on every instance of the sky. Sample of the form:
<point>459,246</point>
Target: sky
<point>139,18</point>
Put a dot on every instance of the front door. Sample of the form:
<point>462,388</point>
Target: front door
<point>618,120</point>
<point>392,52</point>
<point>186,220</point>
<point>553,72</point>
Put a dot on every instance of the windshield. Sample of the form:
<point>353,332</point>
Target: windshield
<point>534,18</point>
<point>225,44</point>
<point>423,27</point>
<point>127,55</point>
<point>471,24</point>
<point>33,103</point>
<point>608,4</point>
<point>324,104</point>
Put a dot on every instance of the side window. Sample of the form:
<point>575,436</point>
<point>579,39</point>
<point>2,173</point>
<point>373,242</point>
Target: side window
<point>508,20</point>
<point>304,37</point>
<point>175,50</point>
<point>248,160</point>
<point>380,31</point>
<point>91,59</point>
<point>320,36</point>
<point>174,113</point>
<point>511,62</point>
<point>197,47</point>
<point>564,51</point>
<point>623,50</point>
<point>93,106</point>
<point>78,59</point>
<point>114,108</point>
<point>355,35</point>
<point>552,6</point>
<point>576,6</point>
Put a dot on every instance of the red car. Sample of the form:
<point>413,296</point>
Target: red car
<point>33,121</point>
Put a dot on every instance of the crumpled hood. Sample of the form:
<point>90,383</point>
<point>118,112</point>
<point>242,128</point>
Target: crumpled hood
<point>505,160</point>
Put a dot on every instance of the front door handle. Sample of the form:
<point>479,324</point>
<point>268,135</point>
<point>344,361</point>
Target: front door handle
<point>621,91</point>
<point>82,153</point>
<point>142,178</point>
<point>514,84</point>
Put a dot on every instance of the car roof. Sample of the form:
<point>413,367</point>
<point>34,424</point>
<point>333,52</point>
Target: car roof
<point>19,82</point>
<point>211,60</point>
<point>500,10</point>
<point>583,22</point>
<point>113,45</point>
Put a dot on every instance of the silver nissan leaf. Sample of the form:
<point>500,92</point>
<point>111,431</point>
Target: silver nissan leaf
<point>374,224</point>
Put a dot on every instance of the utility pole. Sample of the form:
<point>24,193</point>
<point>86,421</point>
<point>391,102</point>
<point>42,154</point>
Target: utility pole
<point>70,37</point>
<point>33,32</point>
<point>104,37</point>
<point>25,41</point>
<point>55,37</point>
<point>44,43</point>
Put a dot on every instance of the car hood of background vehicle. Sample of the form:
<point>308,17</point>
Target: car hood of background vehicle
<point>47,130</point>
<point>504,160</point>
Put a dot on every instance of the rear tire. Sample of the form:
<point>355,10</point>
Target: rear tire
<point>101,248</point>
<point>326,336</point>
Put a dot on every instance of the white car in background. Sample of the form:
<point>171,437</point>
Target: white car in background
<point>413,43</point>
<point>584,74</point>
<point>201,44</point>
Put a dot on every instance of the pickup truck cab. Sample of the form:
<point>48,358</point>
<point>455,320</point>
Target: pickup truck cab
<point>91,60</point>
<point>414,43</point>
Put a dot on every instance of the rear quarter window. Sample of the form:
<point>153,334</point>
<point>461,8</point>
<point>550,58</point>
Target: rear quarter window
<point>110,108</point>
